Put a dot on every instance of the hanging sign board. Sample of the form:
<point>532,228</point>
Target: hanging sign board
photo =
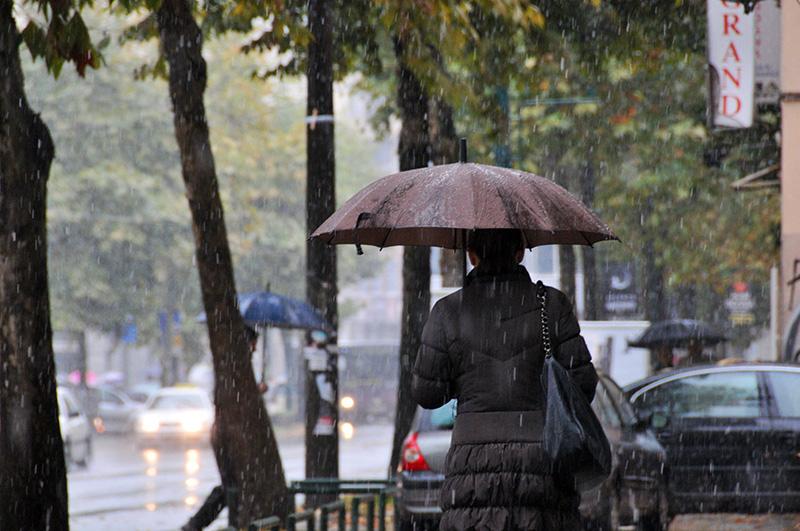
<point>621,296</point>
<point>767,35</point>
<point>731,61</point>
<point>740,304</point>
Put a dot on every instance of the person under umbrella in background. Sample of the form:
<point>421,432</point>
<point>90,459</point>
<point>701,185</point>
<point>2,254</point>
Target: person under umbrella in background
<point>216,500</point>
<point>663,359</point>
<point>482,345</point>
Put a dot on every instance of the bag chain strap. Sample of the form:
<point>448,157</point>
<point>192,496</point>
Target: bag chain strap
<point>541,294</point>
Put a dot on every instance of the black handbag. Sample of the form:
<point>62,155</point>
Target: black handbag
<point>573,437</point>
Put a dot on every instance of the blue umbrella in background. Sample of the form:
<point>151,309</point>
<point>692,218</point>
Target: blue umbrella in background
<point>264,308</point>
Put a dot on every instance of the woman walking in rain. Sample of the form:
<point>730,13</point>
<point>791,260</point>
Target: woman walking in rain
<point>483,346</point>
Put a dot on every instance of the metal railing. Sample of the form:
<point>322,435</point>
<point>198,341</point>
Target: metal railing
<point>273,523</point>
<point>369,494</point>
<point>305,516</point>
<point>338,508</point>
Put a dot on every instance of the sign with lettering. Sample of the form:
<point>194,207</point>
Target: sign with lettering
<point>731,61</point>
<point>767,46</point>
<point>621,296</point>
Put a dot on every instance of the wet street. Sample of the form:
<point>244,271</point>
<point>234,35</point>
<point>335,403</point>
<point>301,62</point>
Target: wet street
<point>130,489</point>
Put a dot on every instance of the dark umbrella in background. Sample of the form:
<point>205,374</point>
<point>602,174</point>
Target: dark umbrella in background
<point>678,333</point>
<point>437,206</point>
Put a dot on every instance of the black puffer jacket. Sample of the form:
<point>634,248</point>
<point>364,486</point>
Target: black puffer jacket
<point>482,346</point>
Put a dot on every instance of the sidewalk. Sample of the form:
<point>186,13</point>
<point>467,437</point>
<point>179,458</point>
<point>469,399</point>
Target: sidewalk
<point>736,522</point>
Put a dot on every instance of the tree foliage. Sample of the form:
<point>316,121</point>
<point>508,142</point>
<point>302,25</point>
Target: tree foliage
<point>120,236</point>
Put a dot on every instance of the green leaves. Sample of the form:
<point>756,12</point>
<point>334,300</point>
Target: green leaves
<point>61,37</point>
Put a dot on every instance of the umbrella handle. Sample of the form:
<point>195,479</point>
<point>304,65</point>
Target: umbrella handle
<point>361,217</point>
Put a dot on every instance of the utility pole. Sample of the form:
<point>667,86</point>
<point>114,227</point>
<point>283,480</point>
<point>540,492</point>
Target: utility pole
<point>322,446</point>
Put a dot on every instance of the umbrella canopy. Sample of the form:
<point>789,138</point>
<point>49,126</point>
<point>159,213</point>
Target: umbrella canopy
<point>437,205</point>
<point>678,333</point>
<point>264,308</point>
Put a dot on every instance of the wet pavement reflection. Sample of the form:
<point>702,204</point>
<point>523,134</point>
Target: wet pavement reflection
<point>126,487</point>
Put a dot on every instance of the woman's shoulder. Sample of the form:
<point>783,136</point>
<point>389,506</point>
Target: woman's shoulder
<point>555,295</point>
<point>449,304</point>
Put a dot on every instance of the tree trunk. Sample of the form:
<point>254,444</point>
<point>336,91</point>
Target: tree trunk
<point>567,262</point>
<point>414,153</point>
<point>444,150</point>
<point>655,305</point>
<point>553,154</point>
<point>322,452</point>
<point>243,439</point>
<point>655,302</point>
<point>33,482</point>
<point>591,289</point>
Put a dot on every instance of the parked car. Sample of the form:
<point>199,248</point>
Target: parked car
<point>732,435</point>
<point>112,410</point>
<point>634,494</point>
<point>76,431</point>
<point>141,393</point>
<point>175,414</point>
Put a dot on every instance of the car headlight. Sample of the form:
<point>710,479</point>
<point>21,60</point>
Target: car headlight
<point>148,424</point>
<point>347,430</point>
<point>347,402</point>
<point>192,425</point>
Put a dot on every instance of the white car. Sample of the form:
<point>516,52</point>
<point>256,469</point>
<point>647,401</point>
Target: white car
<point>76,431</point>
<point>175,414</point>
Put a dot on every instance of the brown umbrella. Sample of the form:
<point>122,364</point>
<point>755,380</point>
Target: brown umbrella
<point>437,205</point>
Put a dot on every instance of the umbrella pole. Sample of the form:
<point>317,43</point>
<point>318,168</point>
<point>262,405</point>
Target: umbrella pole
<point>462,158</point>
<point>464,258</point>
<point>264,356</point>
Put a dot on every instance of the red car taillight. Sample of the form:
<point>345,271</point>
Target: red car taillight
<point>412,460</point>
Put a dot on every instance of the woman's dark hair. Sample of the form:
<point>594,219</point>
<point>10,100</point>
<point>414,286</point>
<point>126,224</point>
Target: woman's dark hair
<point>250,334</point>
<point>495,247</point>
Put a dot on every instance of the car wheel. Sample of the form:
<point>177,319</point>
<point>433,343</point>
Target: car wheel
<point>659,520</point>
<point>604,515</point>
<point>611,521</point>
<point>404,525</point>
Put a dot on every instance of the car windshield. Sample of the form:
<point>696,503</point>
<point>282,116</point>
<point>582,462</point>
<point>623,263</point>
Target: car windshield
<point>178,402</point>
<point>726,394</point>
<point>139,396</point>
<point>441,418</point>
<point>618,396</point>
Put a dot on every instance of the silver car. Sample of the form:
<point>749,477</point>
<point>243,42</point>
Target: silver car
<point>76,432</point>
<point>113,411</point>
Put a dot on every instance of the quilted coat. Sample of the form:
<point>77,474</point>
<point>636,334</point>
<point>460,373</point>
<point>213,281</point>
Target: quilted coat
<point>482,346</point>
